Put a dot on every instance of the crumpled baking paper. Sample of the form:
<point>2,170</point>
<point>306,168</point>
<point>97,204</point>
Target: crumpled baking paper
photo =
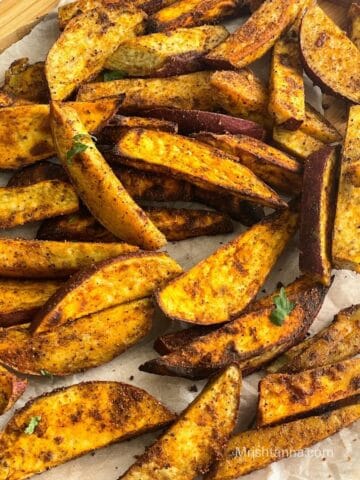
<point>338,457</point>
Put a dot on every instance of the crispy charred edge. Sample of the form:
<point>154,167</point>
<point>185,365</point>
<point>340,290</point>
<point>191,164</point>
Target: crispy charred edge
<point>76,280</point>
<point>122,121</point>
<point>217,454</point>
<point>170,342</point>
<point>38,172</point>
<point>309,301</point>
<point>136,392</point>
<point>194,18</point>
<point>190,121</point>
<point>180,64</point>
<point>293,206</point>
<point>18,387</point>
<point>18,317</point>
<point>310,259</point>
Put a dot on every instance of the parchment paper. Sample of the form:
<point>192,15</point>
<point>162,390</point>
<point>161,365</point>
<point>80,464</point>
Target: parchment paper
<point>335,458</point>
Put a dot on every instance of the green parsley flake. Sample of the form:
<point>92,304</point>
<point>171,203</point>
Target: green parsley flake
<point>32,425</point>
<point>283,308</point>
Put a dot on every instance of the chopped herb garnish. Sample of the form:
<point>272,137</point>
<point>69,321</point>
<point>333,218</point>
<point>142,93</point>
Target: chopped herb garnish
<point>114,75</point>
<point>32,425</point>
<point>78,146</point>
<point>45,373</point>
<point>283,307</point>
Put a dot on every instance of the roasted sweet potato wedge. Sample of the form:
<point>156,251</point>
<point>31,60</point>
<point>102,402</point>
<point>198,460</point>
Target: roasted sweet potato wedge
<point>270,164</point>
<point>70,10</point>
<point>190,121</point>
<point>164,54</point>
<point>6,100</point>
<point>354,23</point>
<point>346,240</point>
<point>191,91</point>
<point>324,44</point>
<point>121,121</point>
<point>21,299</point>
<point>306,392</point>
<point>41,259</point>
<point>318,205</point>
<point>339,341</point>
<point>198,437</point>
<point>41,434</point>
<point>242,93</point>
<point>170,342</point>
<point>287,89</point>
<point>38,172</point>
<point>189,13</point>
<point>11,388</point>
<point>175,223</point>
<point>275,443</point>
<point>193,161</point>
<point>25,134</point>
<point>297,143</point>
<point>257,35</point>
<point>251,340</point>
<point>217,289</point>
<point>106,284</point>
<point>244,212</point>
<point>27,81</point>
<point>87,342</point>
<point>97,185</point>
<point>88,40</point>
<point>20,205</point>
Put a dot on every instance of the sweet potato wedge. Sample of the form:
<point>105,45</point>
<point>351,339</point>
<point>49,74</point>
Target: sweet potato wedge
<point>206,425</point>
<point>70,10</point>
<point>38,172</point>
<point>6,100</point>
<point>25,134</point>
<point>339,341</point>
<point>121,121</point>
<point>27,81</point>
<point>242,93</point>
<point>297,143</point>
<point>88,40</point>
<point>106,284</point>
<point>244,212</point>
<point>193,161</point>
<point>217,289</point>
<point>346,240</point>
<point>242,453</point>
<point>257,35</point>
<point>164,54</point>
<point>170,342</point>
<point>11,388</point>
<point>21,299</point>
<point>41,259</point>
<point>268,163</point>
<point>190,121</point>
<point>190,13</point>
<point>324,44</point>
<point>97,185</point>
<point>191,91</point>
<point>354,23</point>
<point>175,223</point>
<point>318,205</point>
<point>251,340</point>
<point>287,89</point>
<point>306,392</point>
<point>95,413</point>
<point>20,205</point>
<point>87,342</point>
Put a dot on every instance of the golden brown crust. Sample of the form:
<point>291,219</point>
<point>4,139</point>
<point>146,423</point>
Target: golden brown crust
<point>322,44</point>
<point>206,424</point>
<point>74,347</point>
<point>11,388</point>
<point>256,36</point>
<point>239,267</point>
<point>306,392</point>
<point>97,185</point>
<point>108,283</point>
<point>95,413</point>
<point>193,161</point>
